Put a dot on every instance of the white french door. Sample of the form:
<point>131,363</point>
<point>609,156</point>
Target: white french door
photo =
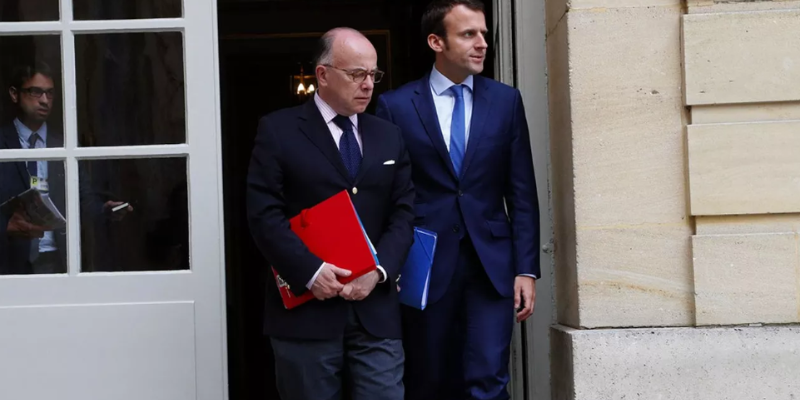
<point>137,312</point>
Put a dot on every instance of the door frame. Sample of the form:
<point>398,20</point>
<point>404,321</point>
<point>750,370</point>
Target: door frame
<point>521,61</point>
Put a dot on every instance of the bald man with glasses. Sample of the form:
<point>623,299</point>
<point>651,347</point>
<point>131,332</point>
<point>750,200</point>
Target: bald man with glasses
<point>349,337</point>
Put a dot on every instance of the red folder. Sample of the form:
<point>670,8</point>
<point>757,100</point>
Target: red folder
<point>333,232</point>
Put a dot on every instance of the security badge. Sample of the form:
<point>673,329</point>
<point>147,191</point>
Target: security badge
<point>40,184</point>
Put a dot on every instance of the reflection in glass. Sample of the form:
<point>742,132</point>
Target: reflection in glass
<point>128,9</point>
<point>143,220</point>
<point>130,89</point>
<point>33,236</point>
<point>30,85</point>
<point>28,10</point>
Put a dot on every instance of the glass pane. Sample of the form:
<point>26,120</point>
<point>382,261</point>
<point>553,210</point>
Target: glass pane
<point>28,10</point>
<point>33,238</point>
<point>151,233</point>
<point>127,9</point>
<point>130,89</point>
<point>30,85</point>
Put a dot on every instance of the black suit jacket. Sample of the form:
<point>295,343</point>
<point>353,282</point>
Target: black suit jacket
<point>296,165</point>
<point>14,179</point>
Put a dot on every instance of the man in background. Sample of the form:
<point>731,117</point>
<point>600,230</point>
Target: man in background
<point>27,248</point>
<point>471,157</point>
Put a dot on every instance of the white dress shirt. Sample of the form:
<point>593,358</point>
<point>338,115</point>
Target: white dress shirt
<point>46,243</point>
<point>328,114</point>
<point>445,102</point>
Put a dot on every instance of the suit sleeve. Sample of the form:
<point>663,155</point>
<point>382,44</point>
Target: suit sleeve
<point>521,197</point>
<point>266,212</point>
<point>382,109</point>
<point>399,234</point>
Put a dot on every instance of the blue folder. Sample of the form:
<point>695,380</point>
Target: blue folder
<point>371,246</point>
<point>416,273</point>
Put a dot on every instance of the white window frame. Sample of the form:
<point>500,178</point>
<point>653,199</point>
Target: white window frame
<point>204,284</point>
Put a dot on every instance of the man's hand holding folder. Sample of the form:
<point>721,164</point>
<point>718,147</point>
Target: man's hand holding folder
<point>19,226</point>
<point>333,232</point>
<point>327,284</point>
<point>360,288</point>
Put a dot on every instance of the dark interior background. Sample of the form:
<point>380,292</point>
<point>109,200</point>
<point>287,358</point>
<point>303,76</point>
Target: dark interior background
<point>262,44</point>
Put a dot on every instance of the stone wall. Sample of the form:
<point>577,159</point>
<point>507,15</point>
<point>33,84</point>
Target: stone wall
<point>620,196</point>
<point>675,147</point>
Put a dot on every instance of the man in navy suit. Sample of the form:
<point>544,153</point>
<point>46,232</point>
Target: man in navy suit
<point>473,174</point>
<point>26,248</point>
<point>349,336</point>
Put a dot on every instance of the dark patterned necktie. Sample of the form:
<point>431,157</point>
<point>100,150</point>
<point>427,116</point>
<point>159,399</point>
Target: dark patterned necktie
<point>33,168</point>
<point>348,146</point>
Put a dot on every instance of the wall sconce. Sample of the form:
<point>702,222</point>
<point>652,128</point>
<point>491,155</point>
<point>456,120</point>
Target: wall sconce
<point>303,85</point>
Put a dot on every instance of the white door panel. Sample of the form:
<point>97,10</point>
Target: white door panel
<point>137,329</point>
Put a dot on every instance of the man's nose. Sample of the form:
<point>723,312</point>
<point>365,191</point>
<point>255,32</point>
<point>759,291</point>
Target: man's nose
<point>369,83</point>
<point>482,44</point>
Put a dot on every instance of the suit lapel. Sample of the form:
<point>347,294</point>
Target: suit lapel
<point>314,127</point>
<point>426,109</point>
<point>481,105</point>
<point>11,139</point>
<point>370,145</point>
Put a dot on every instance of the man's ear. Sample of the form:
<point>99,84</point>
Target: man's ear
<point>12,91</point>
<point>436,43</point>
<point>322,76</point>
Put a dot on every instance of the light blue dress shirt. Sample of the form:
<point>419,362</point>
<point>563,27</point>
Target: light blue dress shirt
<point>444,101</point>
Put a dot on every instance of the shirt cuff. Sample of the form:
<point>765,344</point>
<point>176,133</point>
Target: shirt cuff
<point>314,278</point>
<point>529,276</point>
<point>383,274</point>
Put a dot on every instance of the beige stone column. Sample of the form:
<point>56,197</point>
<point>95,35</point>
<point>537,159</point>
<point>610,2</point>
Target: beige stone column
<point>675,147</point>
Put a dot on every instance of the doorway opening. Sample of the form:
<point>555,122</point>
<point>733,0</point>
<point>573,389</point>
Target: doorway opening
<point>265,51</point>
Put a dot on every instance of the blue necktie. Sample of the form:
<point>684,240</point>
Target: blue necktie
<point>458,130</point>
<point>348,146</point>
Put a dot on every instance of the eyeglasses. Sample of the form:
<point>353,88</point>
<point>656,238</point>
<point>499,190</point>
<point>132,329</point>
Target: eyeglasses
<point>360,75</point>
<point>37,92</point>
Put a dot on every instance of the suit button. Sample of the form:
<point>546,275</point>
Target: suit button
<point>456,228</point>
<point>460,194</point>
<point>355,190</point>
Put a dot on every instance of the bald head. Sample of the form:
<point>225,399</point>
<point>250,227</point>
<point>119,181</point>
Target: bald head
<point>337,40</point>
<point>343,58</point>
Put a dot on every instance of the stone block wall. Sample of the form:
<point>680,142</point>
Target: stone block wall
<point>675,150</point>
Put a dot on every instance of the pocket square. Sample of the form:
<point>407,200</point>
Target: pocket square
<point>390,162</point>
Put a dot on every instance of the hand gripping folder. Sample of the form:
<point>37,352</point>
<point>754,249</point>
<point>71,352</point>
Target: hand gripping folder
<point>416,274</point>
<point>333,232</point>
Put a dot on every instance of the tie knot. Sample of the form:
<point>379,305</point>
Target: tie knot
<point>458,90</point>
<point>343,122</point>
<point>33,139</point>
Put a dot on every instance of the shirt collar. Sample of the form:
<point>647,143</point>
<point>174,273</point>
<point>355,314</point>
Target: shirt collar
<point>328,114</point>
<point>25,132</point>
<point>440,83</point>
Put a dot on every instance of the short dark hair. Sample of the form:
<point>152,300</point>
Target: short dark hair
<point>433,19</point>
<point>23,73</point>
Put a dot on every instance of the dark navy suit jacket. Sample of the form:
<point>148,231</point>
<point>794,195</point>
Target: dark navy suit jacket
<point>296,165</point>
<point>497,172</point>
<point>14,179</point>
